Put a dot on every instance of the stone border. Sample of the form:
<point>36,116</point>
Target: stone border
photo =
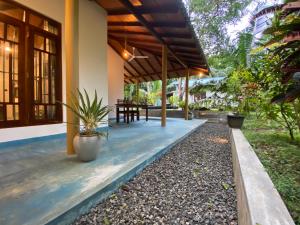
<point>258,201</point>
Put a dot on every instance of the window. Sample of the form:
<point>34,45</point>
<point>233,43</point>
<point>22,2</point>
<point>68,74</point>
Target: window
<point>30,67</point>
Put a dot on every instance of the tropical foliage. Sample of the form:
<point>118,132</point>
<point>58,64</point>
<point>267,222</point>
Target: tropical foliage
<point>210,19</point>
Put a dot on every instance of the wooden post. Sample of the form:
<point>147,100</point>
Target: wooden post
<point>164,85</point>
<point>72,70</point>
<point>186,106</point>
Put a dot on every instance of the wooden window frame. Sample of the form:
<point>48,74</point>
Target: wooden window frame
<point>26,52</point>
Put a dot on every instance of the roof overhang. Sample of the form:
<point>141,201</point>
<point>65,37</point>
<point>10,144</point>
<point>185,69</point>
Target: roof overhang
<point>147,25</point>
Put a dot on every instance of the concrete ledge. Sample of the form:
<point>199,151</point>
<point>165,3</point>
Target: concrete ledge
<point>258,201</point>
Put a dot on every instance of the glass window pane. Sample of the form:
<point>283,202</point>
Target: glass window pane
<point>12,112</point>
<point>1,112</point>
<point>39,112</point>
<point>53,73</point>
<point>51,112</point>
<point>45,78</point>
<point>45,64</point>
<point>1,87</point>
<point>1,30</point>
<point>38,42</point>
<point>2,56</point>
<point>15,91</point>
<point>50,27</point>
<point>50,46</point>
<point>36,76</point>
<point>7,50</point>
<point>43,24</point>
<point>15,59</point>
<point>12,33</point>
<point>6,87</point>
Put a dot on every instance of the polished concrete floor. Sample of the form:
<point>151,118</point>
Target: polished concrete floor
<point>39,182</point>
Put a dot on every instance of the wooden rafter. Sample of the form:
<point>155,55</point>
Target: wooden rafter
<point>146,24</point>
<point>173,68</point>
<point>150,65</point>
<point>147,27</point>
<point>168,8</point>
<point>163,35</point>
<point>153,24</point>
<point>159,73</point>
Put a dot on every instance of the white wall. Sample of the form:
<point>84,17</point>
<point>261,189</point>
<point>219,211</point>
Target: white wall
<point>93,49</point>
<point>92,60</point>
<point>115,79</point>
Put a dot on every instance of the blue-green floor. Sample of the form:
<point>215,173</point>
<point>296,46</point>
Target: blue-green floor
<point>39,182</point>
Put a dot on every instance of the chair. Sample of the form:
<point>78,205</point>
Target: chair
<point>122,110</point>
<point>132,111</point>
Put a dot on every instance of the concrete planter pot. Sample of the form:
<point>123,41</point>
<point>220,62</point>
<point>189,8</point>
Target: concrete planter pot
<point>87,147</point>
<point>235,121</point>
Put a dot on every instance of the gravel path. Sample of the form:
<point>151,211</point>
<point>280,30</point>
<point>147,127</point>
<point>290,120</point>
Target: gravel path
<point>192,184</point>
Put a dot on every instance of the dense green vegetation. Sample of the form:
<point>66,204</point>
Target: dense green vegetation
<point>280,156</point>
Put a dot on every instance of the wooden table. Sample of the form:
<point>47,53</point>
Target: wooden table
<point>127,107</point>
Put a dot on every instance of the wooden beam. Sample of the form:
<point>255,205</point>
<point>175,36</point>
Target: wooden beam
<point>173,68</point>
<point>189,54</point>
<point>146,24</point>
<point>186,105</point>
<point>127,32</point>
<point>150,65</point>
<point>158,73</point>
<point>133,39</point>
<point>72,68</point>
<point>145,60</point>
<point>128,71</point>
<point>153,24</point>
<point>162,35</point>
<point>164,85</point>
<point>168,8</point>
<point>135,70</point>
<point>128,77</point>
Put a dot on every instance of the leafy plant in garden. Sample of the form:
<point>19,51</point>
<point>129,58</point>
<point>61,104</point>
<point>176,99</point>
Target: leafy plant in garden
<point>173,100</point>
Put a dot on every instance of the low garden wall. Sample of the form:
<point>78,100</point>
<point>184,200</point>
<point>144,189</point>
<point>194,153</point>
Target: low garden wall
<point>198,114</point>
<point>258,201</point>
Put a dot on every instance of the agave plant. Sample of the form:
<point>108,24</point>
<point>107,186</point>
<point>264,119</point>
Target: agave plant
<point>91,113</point>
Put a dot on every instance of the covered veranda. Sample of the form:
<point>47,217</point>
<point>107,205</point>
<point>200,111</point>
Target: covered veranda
<point>159,30</point>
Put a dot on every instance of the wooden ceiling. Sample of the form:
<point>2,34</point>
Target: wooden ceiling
<point>147,25</point>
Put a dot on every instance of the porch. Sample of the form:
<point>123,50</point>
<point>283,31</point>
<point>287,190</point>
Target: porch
<point>40,183</point>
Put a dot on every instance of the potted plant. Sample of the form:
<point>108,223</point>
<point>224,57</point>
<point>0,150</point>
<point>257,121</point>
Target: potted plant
<point>91,114</point>
<point>236,119</point>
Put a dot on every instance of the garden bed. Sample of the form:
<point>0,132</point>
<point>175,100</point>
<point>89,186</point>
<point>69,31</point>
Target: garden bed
<point>192,184</point>
<point>280,157</point>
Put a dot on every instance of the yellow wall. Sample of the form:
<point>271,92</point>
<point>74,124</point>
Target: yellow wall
<point>115,79</point>
<point>92,59</point>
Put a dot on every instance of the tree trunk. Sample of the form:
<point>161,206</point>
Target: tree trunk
<point>288,125</point>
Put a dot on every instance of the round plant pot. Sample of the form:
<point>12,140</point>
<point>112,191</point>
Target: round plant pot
<point>235,121</point>
<point>87,147</point>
